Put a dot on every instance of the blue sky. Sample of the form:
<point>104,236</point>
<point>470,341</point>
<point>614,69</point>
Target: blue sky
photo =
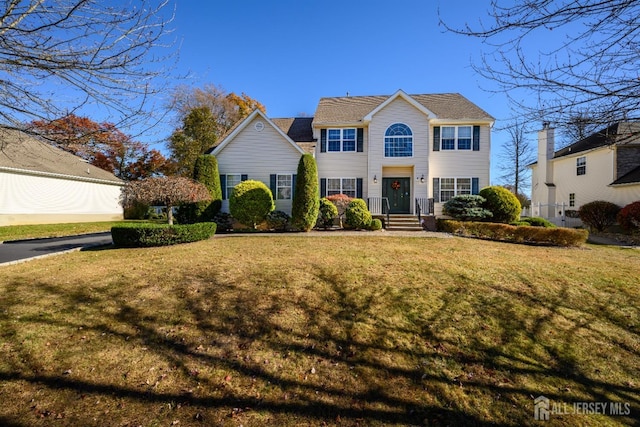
<point>288,54</point>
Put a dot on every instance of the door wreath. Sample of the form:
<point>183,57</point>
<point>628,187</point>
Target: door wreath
<point>395,185</point>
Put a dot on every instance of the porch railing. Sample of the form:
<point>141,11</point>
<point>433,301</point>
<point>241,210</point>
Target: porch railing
<point>424,206</point>
<point>379,206</point>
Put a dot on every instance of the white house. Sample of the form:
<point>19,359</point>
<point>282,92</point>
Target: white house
<point>603,166</point>
<point>41,184</point>
<point>399,152</point>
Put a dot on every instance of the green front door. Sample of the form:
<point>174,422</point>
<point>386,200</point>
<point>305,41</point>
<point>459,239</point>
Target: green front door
<point>398,191</point>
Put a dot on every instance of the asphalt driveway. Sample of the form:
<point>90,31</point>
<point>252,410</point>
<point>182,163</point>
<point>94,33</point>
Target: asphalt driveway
<point>22,250</point>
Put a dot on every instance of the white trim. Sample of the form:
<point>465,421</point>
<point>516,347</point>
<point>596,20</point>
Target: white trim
<point>290,175</point>
<point>245,123</point>
<point>59,176</point>
<point>456,138</point>
<point>399,94</point>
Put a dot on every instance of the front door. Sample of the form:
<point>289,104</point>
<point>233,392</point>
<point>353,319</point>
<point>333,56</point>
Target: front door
<point>398,191</point>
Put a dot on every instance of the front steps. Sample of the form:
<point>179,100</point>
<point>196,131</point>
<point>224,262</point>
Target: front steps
<point>403,223</point>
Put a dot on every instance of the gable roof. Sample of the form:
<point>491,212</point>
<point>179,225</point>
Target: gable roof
<point>353,109</point>
<point>621,133</point>
<point>23,153</point>
<point>243,124</point>
<point>299,130</point>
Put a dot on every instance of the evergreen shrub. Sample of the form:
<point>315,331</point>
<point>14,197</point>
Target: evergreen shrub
<point>357,215</point>
<point>148,235</point>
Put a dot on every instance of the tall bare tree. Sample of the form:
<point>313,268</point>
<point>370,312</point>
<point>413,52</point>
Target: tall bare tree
<point>517,153</point>
<point>57,56</point>
<point>589,65</point>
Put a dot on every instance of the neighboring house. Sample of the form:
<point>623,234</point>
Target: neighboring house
<point>603,166</point>
<point>42,184</point>
<point>407,150</point>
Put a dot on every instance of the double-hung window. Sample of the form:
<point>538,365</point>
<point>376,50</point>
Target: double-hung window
<point>345,186</point>
<point>233,179</point>
<point>451,187</point>
<point>459,137</point>
<point>581,166</point>
<point>341,139</point>
<point>284,184</point>
<point>398,141</point>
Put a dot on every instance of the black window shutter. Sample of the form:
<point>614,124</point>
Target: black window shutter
<point>475,184</point>
<point>293,185</point>
<point>436,190</point>
<point>244,177</point>
<point>272,184</point>
<point>223,184</point>
<point>476,138</point>
<point>360,140</point>
<point>323,187</point>
<point>323,140</point>
<point>436,138</point>
<point>359,188</point>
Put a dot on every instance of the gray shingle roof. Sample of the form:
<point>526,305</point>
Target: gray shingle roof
<point>621,133</point>
<point>352,109</point>
<point>19,150</point>
<point>632,177</point>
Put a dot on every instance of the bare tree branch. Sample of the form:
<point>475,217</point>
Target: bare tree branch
<point>590,67</point>
<point>57,56</point>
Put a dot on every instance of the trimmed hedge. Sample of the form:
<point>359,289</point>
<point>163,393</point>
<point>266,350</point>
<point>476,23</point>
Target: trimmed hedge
<point>535,221</point>
<point>599,214</point>
<point>509,233</point>
<point>502,203</point>
<point>358,215</point>
<point>375,225</point>
<point>148,235</point>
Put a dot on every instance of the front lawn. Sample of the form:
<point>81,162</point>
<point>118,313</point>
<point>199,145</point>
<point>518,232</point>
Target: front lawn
<point>290,330</point>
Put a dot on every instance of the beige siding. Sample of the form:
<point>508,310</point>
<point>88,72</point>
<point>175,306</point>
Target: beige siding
<point>594,185</point>
<point>461,163</point>
<point>27,199</point>
<point>344,164</point>
<point>259,154</point>
<point>399,111</point>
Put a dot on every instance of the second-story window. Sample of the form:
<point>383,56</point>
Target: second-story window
<point>341,139</point>
<point>398,141</point>
<point>581,166</point>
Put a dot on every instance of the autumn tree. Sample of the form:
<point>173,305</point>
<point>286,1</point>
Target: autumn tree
<point>588,65</point>
<point>204,116</point>
<point>103,145</point>
<point>167,191</point>
<point>94,52</point>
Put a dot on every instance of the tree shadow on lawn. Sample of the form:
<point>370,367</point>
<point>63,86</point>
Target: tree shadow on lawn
<point>351,354</point>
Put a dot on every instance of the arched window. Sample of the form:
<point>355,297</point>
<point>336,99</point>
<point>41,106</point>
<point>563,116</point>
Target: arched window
<point>398,141</point>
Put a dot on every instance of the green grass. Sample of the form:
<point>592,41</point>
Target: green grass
<point>17,232</point>
<point>291,330</point>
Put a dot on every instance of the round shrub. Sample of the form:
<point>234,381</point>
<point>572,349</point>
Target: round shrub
<point>327,213</point>
<point>375,225</point>
<point>358,215</point>
<point>535,221</point>
<point>278,220</point>
<point>250,202</point>
<point>629,216</point>
<point>466,207</point>
<point>502,203</point>
<point>599,214</point>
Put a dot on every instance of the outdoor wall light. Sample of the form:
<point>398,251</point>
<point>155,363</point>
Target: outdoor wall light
<point>421,179</point>
<point>375,179</point>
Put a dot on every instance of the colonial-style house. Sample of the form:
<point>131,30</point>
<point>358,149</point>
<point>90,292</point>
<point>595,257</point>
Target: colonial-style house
<point>603,166</point>
<point>401,153</point>
<point>42,184</point>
